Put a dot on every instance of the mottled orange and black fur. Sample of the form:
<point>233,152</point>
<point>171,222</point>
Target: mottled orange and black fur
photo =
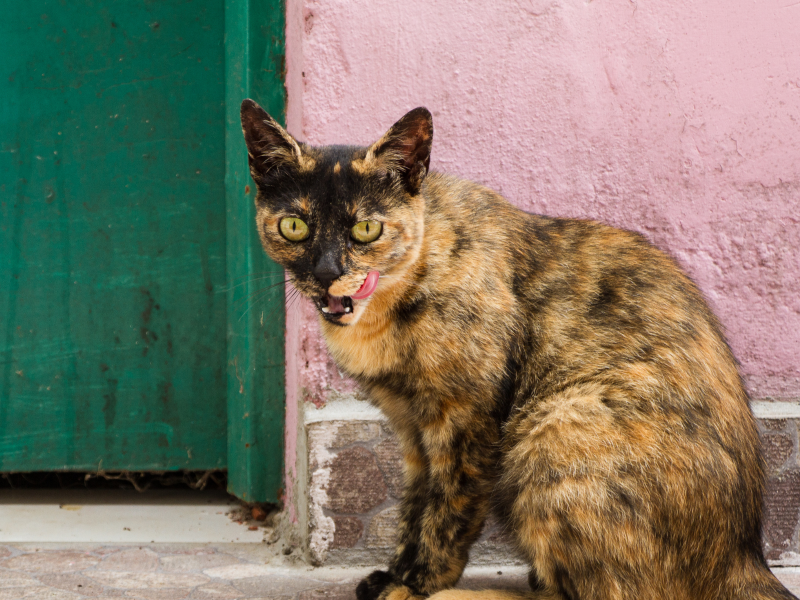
<point>562,373</point>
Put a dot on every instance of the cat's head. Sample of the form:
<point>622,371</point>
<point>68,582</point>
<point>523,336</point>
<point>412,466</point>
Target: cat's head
<point>345,221</point>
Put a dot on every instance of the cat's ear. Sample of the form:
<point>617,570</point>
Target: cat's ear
<point>406,149</point>
<point>270,148</point>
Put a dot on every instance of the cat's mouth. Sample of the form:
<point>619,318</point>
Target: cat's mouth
<point>335,307</point>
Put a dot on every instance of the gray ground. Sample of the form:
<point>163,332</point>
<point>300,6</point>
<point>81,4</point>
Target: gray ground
<point>178,571</point>
<point>197,571</point>
<point>204,546</point>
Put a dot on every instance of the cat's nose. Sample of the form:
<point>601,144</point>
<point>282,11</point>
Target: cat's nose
<point>327,270</point>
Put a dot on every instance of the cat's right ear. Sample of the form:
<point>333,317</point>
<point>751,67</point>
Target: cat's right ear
<point>405,149</point>
<point>271,151</point>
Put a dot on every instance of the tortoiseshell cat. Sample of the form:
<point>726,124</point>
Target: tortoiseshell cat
<point>561,372</point>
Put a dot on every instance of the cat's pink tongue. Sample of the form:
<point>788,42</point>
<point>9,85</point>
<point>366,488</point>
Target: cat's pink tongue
<point>369,285</point>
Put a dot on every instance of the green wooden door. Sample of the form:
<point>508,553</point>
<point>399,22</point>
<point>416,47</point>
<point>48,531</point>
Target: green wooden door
<point>128,339</point>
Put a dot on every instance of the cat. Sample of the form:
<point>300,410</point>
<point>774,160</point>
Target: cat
<point>562,373</point>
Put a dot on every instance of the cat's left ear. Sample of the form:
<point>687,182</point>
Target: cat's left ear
<point>406,149</point>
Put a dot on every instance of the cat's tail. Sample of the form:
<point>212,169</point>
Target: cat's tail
<point>757,583</point>
<point>751,579</point>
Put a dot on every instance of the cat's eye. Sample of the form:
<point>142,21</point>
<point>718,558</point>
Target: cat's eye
<point>293,229</point>
<point>366,231</point>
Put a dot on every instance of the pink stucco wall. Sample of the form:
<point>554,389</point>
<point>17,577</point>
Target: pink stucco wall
<point>677,119</point>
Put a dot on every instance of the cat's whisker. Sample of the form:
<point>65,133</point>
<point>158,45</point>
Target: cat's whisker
<point>276,273</point>
<point>291,299</point>
<point>268,287</point>
<point>252,304</point>
<point>248,278</point>
<point>242,301</point>
<point>256,279</point>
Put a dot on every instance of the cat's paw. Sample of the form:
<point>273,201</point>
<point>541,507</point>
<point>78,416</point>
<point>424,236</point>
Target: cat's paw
<point>373,585</point>
<point>380,585</point>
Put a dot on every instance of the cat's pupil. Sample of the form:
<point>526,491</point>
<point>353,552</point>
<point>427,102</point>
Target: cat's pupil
<point>294,225</point>
<point>367,228</point>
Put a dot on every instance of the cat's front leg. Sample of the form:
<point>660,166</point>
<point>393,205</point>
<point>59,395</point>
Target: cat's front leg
<point>444,506</point>
<point>379,584</point>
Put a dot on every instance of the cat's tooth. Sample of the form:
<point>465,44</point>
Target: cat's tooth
<point>347,309</point>
<point>325,309</point>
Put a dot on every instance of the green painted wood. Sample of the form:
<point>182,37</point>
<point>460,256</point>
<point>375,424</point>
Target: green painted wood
<point>114,320</point>
<point>254,62</point>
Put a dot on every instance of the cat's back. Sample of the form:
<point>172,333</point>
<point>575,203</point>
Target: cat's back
<point>573,301</point>
<point>578,279</point>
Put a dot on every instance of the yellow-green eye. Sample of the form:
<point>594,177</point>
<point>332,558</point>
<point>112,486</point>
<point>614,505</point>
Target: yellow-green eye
<point>293,229</point>
<point>366,231</point>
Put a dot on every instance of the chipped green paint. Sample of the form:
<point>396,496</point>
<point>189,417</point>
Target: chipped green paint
<point>114,238</point>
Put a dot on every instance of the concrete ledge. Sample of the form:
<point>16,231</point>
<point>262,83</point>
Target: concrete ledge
<point>355,481</point>
<point>765,409</point>
<point>347,408</point>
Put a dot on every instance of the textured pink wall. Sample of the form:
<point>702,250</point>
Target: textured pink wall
<point>678,119</point>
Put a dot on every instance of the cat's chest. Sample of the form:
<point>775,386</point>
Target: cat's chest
<point>425,355</point>
<point>369,351</point>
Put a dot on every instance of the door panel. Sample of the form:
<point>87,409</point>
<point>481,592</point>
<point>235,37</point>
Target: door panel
<point>254,65</point>
<point>114,320</point>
